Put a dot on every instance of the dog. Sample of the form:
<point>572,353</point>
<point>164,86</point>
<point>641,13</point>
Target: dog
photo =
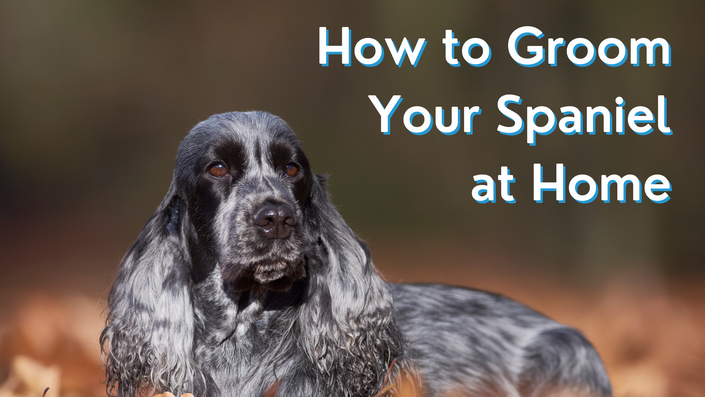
<point>247,282</point>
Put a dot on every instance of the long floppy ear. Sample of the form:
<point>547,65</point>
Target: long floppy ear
<point>148,339</point>
<point>348,317</point>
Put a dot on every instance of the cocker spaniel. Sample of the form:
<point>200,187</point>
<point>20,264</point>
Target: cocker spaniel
<point>247,282</point>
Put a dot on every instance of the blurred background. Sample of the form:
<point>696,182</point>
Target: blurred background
<point>95,97</point>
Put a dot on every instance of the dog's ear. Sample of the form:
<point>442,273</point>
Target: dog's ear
<point>349,313</point>
<point>148,339</point>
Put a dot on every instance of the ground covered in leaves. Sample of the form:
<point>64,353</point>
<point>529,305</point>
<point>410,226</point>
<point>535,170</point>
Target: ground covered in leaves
<point>650,332</point>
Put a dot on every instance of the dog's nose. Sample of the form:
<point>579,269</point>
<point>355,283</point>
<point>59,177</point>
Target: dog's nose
<point>275,221</point>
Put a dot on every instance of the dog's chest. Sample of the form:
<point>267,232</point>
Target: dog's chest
<point>245,348</point>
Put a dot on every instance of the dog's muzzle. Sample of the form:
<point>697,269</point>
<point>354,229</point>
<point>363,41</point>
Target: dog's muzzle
<point>277,260</point>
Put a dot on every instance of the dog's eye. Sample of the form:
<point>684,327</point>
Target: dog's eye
<point>218,170</point>
<point>291,170</point>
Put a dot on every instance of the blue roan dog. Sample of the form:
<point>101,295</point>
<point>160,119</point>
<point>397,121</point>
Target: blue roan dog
<point>247,282</point>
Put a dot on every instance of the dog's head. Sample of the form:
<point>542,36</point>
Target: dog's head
<point>245,183</point>
<point>245,211</point>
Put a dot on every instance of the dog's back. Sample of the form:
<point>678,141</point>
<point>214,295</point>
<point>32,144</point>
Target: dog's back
<point>468,342</point>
